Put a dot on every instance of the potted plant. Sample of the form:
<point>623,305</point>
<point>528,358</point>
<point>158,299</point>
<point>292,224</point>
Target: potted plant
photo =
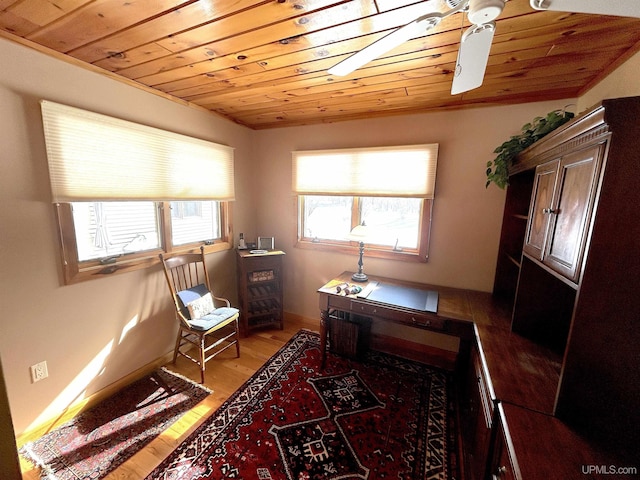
<point>498,169</point>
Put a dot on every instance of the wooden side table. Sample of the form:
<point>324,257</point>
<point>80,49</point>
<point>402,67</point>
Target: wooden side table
<point>260,290</point>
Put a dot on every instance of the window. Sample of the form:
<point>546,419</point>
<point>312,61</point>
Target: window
<point>195,222</point>
<point>101,238</point>
<point>392,221</point>
<point>125,192</point>
<point>111,229</point>
<point>390,189</point>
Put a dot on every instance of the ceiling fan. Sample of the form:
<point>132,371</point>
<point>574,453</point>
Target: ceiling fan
<point>475,42</point>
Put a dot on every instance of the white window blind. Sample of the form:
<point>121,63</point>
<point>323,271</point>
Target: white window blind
<point>97,157</point>
<point>404,171</point>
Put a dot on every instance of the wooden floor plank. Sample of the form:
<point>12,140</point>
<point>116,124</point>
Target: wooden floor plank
<point>224,375</point>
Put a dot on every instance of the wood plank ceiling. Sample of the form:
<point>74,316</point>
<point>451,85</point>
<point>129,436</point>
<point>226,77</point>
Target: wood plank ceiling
<point>264,64</point>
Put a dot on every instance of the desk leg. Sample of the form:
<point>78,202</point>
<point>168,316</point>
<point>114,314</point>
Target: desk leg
<point>324,320</point>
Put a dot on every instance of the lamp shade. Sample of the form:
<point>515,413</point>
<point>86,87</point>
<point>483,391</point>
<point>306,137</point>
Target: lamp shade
<point>359,233</point>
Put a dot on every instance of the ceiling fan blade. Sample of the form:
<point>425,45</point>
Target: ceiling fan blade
<point>473,56</point>
<point>622,8</point>
<point>386,43</point>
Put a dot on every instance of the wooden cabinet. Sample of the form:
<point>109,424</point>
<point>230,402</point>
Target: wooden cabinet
<point>478,407</point>
<point>514,224</point>
<point>575,286</point>
<point>539,213</point>
<point>260,290</point>
<point>561,205</point>
<point>503,464</point>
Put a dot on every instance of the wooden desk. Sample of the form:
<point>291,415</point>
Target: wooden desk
<point>454,315</point>
<point>518,377</point>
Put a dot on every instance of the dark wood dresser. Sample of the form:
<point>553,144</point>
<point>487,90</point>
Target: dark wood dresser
<point>566,363</point>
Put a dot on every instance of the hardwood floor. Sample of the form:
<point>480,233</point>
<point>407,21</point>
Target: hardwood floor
<point>224,375</point>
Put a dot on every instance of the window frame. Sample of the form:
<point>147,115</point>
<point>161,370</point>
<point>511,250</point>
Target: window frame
<point>421,254</point>
<point>75,271</point>
<point>181,210</point>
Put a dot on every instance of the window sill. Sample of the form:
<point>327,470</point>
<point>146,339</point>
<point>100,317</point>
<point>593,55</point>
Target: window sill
<point>369,252</point>
<point>93,270</point>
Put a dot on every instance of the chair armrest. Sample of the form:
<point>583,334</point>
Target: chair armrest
<point>226,302</point>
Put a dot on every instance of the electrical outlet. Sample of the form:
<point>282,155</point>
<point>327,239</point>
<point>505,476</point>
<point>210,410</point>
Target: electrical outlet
<point>39,371</point>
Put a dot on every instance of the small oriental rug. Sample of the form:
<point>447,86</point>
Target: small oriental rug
<point>385,417</point>
<point>101,438</point>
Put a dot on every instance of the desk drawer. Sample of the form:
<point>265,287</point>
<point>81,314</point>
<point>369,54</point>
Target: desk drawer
<point>340,302</point>
<point>414,319</point>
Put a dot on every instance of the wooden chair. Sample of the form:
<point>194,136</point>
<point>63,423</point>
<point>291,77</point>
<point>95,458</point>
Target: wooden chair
<point>202,324</point>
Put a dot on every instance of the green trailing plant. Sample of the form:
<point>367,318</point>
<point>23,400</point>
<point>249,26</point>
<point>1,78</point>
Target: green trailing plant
<point>498,169</point>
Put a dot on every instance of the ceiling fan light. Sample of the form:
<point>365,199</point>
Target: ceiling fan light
<point>484,11</point>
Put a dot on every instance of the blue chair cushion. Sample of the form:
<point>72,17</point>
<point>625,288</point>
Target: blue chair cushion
<point>189,295</point>
<point>210,320</point>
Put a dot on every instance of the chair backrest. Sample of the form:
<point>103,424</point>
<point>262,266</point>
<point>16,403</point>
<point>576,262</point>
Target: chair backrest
<point>182,272</point>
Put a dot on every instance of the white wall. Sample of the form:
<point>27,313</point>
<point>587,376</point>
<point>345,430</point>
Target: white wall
<point>623,82</point>
<point>93,333</point>
<point>467,217</point>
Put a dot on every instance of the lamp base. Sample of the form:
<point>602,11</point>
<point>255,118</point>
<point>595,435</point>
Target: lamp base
<point>359,277</point>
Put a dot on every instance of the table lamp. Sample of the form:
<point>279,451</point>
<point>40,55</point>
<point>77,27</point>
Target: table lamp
<point>359,234</point>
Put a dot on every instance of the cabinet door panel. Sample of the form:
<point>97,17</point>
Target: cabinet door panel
<point>572,210</point>
<point>477,419</point>
<point>542,197</point>
<point>504,464</point>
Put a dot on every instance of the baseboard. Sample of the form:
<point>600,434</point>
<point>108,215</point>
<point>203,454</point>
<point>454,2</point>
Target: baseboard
<point>78,407</point>
<point>310,323</point>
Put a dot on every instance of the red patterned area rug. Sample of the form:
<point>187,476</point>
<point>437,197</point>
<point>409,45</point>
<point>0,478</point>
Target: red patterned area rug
<point>385,417</point>
<point>100,439</point>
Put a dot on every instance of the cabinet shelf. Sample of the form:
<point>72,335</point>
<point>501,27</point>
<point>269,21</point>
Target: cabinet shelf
<point>260,290</point>
<point>263,291</point>
<point>263,306</point>
<point>514,225</point>
<point>513,260</point>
